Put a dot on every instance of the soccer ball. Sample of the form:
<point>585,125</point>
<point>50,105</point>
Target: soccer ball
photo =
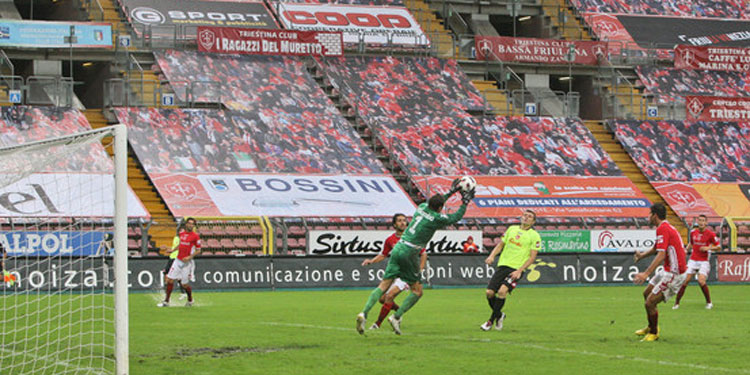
<point>467,183</point>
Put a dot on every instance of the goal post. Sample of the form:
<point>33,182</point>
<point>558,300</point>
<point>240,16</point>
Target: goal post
<point>63,228</point>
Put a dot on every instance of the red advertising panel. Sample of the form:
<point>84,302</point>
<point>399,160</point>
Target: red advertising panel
<point>562,196</point>
<point>717,108</point>
<point>545,51</point>
<point>269,42</point>
<point>733,267</point>
<point>684,199</point>
<point>712,58</point>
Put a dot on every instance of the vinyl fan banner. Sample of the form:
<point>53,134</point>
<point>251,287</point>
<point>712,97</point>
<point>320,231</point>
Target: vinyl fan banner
<point>545,51</point>
<point>269,42</point>
<point>712,58</point>
<point>370,242</point>
<point>716,108</point>
<point>375,25</point>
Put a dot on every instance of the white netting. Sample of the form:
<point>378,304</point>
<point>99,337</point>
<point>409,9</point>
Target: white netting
<point>56,226</point>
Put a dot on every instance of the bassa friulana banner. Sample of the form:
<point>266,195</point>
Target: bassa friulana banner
<point>269,42</point>
<point>52,34</point>
<point>65,195</point>
<point>533,50</point>
<point>237,194</point>
<point>53,243</point>
<point>374,25</point>
<point>370,242</point>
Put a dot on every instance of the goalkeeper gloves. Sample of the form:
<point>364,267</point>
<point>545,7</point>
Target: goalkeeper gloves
<point>454,187</point>
<point>467,196</point>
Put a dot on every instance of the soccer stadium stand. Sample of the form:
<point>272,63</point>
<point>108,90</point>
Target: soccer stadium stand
<point>669,84</point>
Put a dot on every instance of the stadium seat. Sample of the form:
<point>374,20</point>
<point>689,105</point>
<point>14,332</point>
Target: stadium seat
<point>239,243</point>
<point>292,243</point>
<point>296,231</point>
<point>256,230</point>
<point>132,244</point>
<point>213,243</point>
<point>227,244</point>
<point>253,243</point>
<point>232,230</point>
<point>488,243</point>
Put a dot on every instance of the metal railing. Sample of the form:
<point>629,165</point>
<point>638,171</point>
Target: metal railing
<point>548,102</point>
<point>123,92</point>
<point>38,90</point>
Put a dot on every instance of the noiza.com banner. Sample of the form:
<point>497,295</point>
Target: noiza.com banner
<point>712,58</point>
<point>562,196</point>
<point>195,194</point>
<point>50,34</point>
<point>544,51</point>
<point>38,243</point>
<point>716,108</point>
<point>269,42</point>
<point>371,25</point>
<point>370,242</point>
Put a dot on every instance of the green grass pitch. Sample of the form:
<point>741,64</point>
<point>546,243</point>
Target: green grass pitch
<point>563,330</point>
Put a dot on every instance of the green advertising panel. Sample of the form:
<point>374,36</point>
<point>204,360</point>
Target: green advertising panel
<point>565,241</point>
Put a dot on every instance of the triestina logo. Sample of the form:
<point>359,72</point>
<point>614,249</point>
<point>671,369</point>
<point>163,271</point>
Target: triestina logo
<point>206,38</point>
<point>180,189</point>
<point>685,198</point>
<point>695,107</point>
<point>485,46</point>
<point>534,274</point>
<point>607,27</point>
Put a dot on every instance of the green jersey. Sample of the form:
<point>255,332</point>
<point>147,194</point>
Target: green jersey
<point>518,246</point>
<point>424,224</point>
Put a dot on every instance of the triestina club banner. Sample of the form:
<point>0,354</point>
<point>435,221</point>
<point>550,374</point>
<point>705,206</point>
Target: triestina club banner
<point>561,196</point>
<point>376,25</point>
<point>65,195</point>
<point>712,58</point>
<point>710,199</point>
<point>162,18</point>
<point>269,42</point>
<point>545,51</point>
<point>47,243</point>
<point>370,242</point>
<point>237,194</point>
<point>716,108</point>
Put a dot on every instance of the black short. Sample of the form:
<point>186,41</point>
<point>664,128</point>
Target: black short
<point>502,277</point>
<point>169,265</point>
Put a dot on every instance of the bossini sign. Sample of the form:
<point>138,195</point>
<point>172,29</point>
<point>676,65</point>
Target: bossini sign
<point>622,240</point>
<point>364,242</point>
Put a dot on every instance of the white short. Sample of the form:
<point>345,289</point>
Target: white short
<point>181,271</point>
<point>702,267</point>
<point>399,284</point>
<point>668,283</point>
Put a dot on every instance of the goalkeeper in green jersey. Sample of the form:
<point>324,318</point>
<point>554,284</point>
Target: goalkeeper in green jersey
<point>404,260</point>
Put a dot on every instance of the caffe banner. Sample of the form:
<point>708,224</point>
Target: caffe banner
<point>541,51</point>
<point>370,242</point>
<point>296,195</point>
<point>368,24</point>
<point>715,108</point>
<point>559,196</point>
<point>712,58</point>
<point>269,42</point>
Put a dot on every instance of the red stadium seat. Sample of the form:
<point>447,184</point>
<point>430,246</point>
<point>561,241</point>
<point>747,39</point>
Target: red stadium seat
<point>296,231</point>
<point>253,243</point>
<point>232,230</point>
<point>292,243</point>
<point>239,243</point>
<point>227,244</point>
<point>213,243</point>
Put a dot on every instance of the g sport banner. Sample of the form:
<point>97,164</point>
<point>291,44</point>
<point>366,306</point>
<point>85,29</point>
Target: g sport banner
<point>38,243</point>
<point>374,25</point>
<point>236,194</point>
<point>561,196</point>
<point>370,242</point>
<point>50,34</point>
<point>712,58</point>
<point>545,51</point>
<point>710,199</point>
<point>269,42</point>
<point>716,108</point>
<point>163,17</point>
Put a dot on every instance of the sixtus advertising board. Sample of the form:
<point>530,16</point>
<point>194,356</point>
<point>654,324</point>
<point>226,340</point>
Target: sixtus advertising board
<point>269,42</point>
<point>374,25</point>
<point>161,17</point>
<point>546,51</point>
<point>370,242</point>
<point>715,108</point>
<point>712,58</point>
<point>561,196</point>
<point>50,34</point>
<point>236,194</point>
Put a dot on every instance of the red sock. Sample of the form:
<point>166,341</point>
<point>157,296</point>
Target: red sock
<point>387,307</point>
<point>189,292</point>
<point>653,322</point>
<point>706,294</point>
<point>169,291</point>
<point>679,294</point>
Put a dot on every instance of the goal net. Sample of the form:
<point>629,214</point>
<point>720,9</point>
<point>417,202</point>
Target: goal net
<point>63,230</point>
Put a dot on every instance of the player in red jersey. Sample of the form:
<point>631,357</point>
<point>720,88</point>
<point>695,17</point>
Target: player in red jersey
<point>183,267</point>
<point>703,241</point>
<point>669,280</point>
<point>399,224</point>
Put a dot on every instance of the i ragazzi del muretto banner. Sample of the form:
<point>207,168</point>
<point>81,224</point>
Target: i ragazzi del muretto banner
<point>269,42</point>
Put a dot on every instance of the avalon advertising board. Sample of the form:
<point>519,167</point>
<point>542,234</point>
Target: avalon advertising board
<point>237,194</point>
<point>716,108</point>
<point>269,42</point>
<point>606,240</point>
<point>370,24</point>
<point>545,51</point>
<point>370,242</point>
<point>712,58</point>
<point>561,196</point>
<point>51,34</point>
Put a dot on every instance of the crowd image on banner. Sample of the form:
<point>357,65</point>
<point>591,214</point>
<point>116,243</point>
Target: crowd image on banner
<point>671,85</point>
<point>736,9</point>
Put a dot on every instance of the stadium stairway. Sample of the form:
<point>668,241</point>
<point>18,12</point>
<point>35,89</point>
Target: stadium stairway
<point>106,11</point>
<point>615,150</point>
<point>434,28</point>
<point>496,97</point>
<point>164,225</point>
<point>568,26</point>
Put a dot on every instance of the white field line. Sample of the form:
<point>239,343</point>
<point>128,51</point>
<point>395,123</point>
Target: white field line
<point>54,361</point>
